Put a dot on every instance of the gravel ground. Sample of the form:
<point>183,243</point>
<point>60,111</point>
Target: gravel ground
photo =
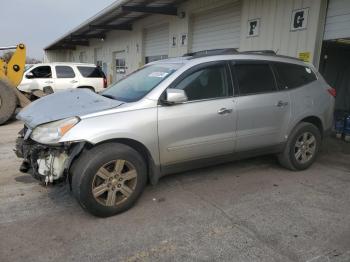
<point>250,210</point>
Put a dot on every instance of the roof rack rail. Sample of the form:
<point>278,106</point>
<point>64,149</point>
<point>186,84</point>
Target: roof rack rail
<point>212,52</point>
<point>267,52</point>
<point>233,51</point>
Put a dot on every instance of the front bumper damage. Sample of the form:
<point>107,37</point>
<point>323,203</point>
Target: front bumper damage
<point>46,163</point>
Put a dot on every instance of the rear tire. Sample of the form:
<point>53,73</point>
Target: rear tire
<point>8,102</point>
<point>108,179</point>
<point>302,147</point>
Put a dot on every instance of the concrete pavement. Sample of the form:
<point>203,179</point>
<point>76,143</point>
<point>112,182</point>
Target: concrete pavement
<point>250,210</point>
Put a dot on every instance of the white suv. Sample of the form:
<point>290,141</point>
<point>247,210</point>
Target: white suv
<point>53,77</point>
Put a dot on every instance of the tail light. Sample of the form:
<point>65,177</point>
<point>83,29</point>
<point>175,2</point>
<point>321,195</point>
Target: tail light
<point>104,82</point>
<point>332,91</point>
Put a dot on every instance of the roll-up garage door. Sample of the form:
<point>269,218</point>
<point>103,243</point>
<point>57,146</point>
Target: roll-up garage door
<point>156,43</point>
<point>338,20</point>
<point>217,28</point>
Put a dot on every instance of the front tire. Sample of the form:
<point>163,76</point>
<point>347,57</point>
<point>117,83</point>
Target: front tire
<point>302,147</point>
<point>109,179</point>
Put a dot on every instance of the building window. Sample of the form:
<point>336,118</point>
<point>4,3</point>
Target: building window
<point>150,59</point>
<point>120,65</point>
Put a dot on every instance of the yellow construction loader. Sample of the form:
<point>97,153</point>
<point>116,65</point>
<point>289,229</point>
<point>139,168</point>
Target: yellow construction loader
<point>11,74</point>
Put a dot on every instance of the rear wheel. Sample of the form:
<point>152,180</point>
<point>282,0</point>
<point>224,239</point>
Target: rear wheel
<point>8,102</point>
<point>302,147</point>
<point>109,179</point>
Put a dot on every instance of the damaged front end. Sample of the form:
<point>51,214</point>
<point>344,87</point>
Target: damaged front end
<point>46,163</point>
<point>46,122</point>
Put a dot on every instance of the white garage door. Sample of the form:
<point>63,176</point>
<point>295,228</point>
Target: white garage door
<point>217,28</point>
<point>156,43</point>
<point>338,20</point>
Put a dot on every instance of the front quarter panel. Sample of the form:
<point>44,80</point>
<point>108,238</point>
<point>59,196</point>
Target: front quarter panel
<point>139,125</point>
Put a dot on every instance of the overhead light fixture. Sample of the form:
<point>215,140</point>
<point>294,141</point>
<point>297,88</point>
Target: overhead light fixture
<point>102,39</point>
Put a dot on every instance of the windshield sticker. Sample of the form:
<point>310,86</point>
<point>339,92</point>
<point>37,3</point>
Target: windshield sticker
<point>158,74</point>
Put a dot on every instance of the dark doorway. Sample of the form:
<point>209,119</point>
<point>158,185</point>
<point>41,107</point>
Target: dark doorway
<point>335,68</point>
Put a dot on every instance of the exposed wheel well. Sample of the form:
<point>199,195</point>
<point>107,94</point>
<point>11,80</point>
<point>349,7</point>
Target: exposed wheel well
<point>315,121</point>
<point>88,87</point>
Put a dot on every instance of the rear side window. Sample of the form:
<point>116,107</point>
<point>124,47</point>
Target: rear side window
<point>255,78</point>
<point>64,72</point>
<point>294,76</point>
<point>42,72</point>
<point>91,72</point>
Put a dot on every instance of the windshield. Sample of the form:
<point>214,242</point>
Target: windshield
<point>27,67</point>
<point>140,83</point>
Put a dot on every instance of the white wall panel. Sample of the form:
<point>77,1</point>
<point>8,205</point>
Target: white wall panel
<point>275,27</point>
<point>274,34</point>
<point>156,40</point>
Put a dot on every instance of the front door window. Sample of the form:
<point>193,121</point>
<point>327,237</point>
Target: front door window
<point>206,83</point>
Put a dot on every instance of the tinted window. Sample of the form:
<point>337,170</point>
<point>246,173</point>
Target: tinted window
<point>90,72</point>
<point>294,76</point>
<point>42,72</point>
<point>64,72</point>
<point>255,78</point>
<point>205,84</point>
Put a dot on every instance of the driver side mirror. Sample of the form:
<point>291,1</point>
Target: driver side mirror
<point>175,96</point>
<point>30,75</point>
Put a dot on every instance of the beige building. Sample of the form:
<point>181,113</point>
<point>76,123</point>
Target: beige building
<point>130,33</point>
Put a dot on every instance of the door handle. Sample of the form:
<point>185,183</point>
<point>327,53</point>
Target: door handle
<point>223,111</point>
<point>282,104</point>
<point>48,82</point>
<point>74,81</point>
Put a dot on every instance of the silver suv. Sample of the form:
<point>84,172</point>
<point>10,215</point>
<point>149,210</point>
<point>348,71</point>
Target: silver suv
<point>174,115</point>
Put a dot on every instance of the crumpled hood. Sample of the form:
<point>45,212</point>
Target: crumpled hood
<point>64,104</point>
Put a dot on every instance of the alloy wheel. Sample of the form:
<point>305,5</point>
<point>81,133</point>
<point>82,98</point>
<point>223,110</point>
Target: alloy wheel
<point>114,182</point>
<point>305,147</point>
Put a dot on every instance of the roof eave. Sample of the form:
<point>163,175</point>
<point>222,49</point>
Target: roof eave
<point>100,14</point>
